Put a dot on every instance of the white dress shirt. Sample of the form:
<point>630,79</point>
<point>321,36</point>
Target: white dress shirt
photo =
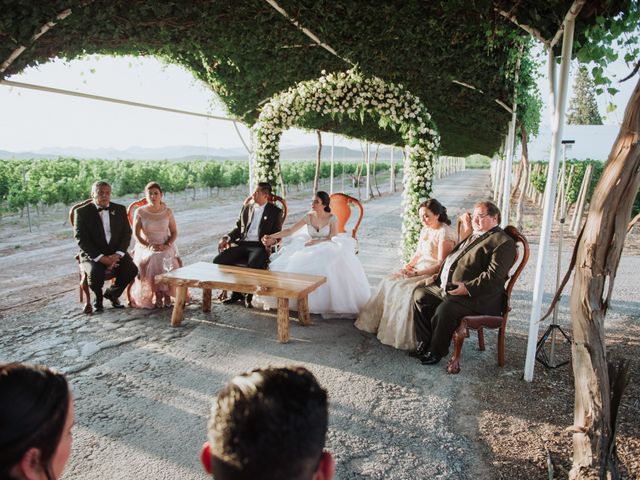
<point>106,225</point>
<point>451,258</point>
<point>252,231</point>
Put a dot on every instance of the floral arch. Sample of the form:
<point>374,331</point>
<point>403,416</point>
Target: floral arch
<point>350,93</point>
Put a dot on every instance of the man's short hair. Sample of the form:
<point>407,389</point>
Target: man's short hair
<point>269,423</point>
<point>96,186</point>
<point>492,209</point>
<point>264,187</point>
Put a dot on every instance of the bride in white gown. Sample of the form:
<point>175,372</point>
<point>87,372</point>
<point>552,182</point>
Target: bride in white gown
<point>322,251</point>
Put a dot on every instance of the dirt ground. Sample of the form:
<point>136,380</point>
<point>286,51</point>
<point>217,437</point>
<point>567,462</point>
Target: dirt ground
<point>485,422</point>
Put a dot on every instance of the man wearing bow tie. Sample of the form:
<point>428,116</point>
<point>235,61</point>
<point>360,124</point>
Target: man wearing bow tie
<point>257,219</point>
<point>470,282</point>
<point>103,234</point>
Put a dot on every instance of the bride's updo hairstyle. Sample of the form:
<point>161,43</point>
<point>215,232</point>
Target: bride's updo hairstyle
<point>436,208</point>
<point>34,403</point>
<point>324,198</point>
<point>151,185</point>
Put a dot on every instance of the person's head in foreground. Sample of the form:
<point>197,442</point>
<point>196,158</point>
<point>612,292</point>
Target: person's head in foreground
<point>269,424</point>
<point>36,416</point>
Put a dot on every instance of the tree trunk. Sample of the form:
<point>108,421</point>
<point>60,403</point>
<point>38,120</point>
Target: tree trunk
<point>317,176</point>
<point>524,167</point>
<point>597,261</point>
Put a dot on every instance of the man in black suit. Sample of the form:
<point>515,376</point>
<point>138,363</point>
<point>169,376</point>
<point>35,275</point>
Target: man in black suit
<point>470,282</point>
<point>103,234</point>
<point>257,219</point>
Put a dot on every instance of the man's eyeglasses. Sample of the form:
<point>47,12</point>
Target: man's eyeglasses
<point>479,215</point>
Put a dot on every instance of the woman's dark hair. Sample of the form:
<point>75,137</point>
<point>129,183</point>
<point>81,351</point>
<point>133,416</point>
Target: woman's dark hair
<point>34,403</point>
<point>151,185</point>
<point>325,199</point>
<point>436,208</point>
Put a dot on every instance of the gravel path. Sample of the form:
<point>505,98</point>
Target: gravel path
<point>143,389</point>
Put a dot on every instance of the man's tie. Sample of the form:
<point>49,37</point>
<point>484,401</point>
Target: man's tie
<point>102,208</point>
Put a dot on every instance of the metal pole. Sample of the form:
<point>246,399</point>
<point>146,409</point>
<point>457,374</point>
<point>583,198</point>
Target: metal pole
<point>392,175</point>
<point>368,195</point>
<point>333,144</point>
<point>549,194</point>
<point>24,179</point>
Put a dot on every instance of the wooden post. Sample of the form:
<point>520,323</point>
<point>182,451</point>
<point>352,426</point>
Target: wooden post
<point>283,320</point>
<point>206,300</point>
<point>582,200</point>
<point>178,309</point>
<point>303,311</point>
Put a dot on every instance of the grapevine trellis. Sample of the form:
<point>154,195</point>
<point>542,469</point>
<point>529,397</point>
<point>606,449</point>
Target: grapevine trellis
<point>352,95</point>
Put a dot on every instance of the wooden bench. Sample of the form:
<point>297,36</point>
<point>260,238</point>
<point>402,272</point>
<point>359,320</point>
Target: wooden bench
<point>245,280</point>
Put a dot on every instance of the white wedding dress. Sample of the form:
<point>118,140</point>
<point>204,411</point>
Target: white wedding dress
<point>346,290</point>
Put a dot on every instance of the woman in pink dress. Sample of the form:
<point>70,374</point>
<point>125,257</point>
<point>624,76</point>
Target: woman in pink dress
<point>154,229</point>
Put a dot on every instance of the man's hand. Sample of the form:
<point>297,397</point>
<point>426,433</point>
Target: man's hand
<point>460,290</point>
<point>223,244</point>
<point>110,261</point>
<point>268,241</point>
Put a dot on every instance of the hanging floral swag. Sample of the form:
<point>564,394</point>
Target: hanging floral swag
<point>350,93</point>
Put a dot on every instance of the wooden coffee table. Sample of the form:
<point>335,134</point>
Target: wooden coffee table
<point>207,276</point>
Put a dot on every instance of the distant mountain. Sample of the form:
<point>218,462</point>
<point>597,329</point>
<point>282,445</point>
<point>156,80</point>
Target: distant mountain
<point>189,152</point>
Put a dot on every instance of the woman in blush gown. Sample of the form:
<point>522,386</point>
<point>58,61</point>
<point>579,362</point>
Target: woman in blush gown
<point>320,250</point>
<point>154,228</point>
<point>389,312</point>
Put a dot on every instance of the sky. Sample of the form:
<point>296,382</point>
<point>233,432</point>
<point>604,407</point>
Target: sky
<point>32,120</point>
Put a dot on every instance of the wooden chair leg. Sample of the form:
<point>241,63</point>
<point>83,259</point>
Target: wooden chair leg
<point>459,335</point>
<point>178,307</point>
<point>501,333</point>
<point>481,339</point>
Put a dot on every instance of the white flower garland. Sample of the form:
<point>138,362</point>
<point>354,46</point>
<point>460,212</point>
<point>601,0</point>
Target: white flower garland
<point>349,93</point>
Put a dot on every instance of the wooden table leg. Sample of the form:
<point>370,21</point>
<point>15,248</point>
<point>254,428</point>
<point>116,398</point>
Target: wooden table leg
<point>303,311</point>
<point>178,308</point>
<point>206,300</point>
<point>283,320</point>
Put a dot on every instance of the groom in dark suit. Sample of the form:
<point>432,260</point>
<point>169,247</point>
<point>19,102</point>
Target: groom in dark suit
<point>257,219</point>
<point>470,282</point>
<point>103,234</point>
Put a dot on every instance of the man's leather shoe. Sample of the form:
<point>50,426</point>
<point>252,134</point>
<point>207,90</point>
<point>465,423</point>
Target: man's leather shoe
<point>420,351</point>
<point>235,297</point>
<point>97,306</point>
<point>429,359</point>
<point>247,300</point>
<point>114,301</point>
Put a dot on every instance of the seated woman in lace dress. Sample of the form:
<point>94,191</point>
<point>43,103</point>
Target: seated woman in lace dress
<point>154,228</point>
<point>322,251</point>
<point>388,313</point>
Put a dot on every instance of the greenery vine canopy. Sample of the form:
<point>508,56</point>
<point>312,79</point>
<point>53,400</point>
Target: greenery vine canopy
<point>247,51</point>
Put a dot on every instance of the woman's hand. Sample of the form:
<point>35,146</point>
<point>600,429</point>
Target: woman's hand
<point>308,243</point>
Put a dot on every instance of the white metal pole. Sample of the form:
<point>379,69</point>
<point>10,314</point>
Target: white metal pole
<point>508,167</point>
<point>557,128</point>
<point>333,144</point>
<point>392,175</point>
<point>367,195</point>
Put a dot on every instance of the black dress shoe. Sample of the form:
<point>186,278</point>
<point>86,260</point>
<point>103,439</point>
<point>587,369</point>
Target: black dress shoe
<point>418,352</point>
<point>235,297</point>
<point>114,301</point>
<point>97,306</point>
<point>429,359</point>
